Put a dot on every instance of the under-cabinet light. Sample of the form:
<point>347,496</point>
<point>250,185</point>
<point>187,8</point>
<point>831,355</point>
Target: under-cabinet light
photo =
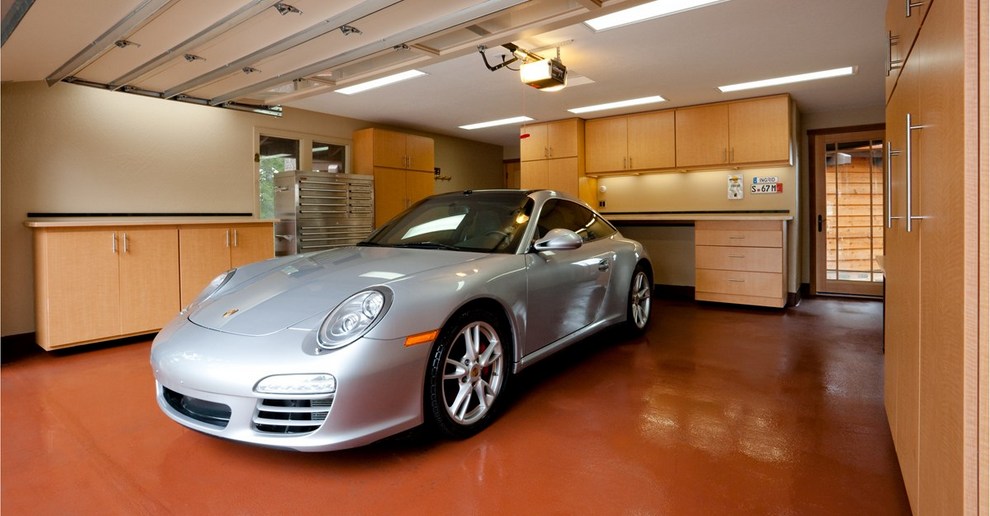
<point>824,74</point>
<point>493,123</point>
<point>647,11</point>
<point>618,104</point>
<point>378,83</point>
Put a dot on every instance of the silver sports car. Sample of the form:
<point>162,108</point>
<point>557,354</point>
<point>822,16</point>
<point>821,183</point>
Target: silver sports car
<point>426,321</point>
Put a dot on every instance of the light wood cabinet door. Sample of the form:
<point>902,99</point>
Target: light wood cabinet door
<point>533,142</point>
<point>419,185</point>
<point>77,287</point>
<point>149,278</point>
<point>389,149</point>
<point>534,175</point>
<point>902,30</point>
<point>562,175</point>
<point>251,243</point>
<point>390,194</point>
<point>564,138</point>
<point>420,153</point>
<point>204,252</point>
<point>650,140</point>
<point>606,144</point>
<point>702,135</point>
<point>759,131</point>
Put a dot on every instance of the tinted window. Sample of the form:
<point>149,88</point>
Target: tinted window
<point>558,213</point>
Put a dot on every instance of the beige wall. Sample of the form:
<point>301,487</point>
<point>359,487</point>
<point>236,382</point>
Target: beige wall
<point>76,149</point>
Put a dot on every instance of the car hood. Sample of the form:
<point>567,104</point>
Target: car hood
<point>312,285</point>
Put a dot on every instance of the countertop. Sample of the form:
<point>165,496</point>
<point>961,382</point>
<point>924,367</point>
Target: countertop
<point>78,222</point>
<point>689,217</point>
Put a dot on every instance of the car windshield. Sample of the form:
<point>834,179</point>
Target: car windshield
<point>491,221</point>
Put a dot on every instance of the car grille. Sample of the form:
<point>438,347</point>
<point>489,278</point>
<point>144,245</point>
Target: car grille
<point>291,416</point>
<point>214,414</point>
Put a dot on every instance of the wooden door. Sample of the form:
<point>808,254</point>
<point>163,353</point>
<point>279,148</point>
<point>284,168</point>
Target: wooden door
<point>562,138</point>
<point>702,135</point>
<point>390,194</point>
<point>420,152</point>
<point>419,185</point>
<point>80,297</point>
<point>562,175</point>
<point>149,278</point>
<point>901,304</point>
<point>389,149</point>
<point>251,243</point>
<point>204,253</point>
<point>651,140</point>
<point>534,175</point>
<point>759,130</point>
<point>606,145</point>
<point>533,142</point>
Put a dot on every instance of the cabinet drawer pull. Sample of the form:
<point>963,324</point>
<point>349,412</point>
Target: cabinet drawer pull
<point>908,5</point>
<point>737,256</point>
<point>737,237</point>
<point>114,248</point>
<point>737,281</point>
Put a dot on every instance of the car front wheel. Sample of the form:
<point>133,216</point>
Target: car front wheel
<point>469,369</point>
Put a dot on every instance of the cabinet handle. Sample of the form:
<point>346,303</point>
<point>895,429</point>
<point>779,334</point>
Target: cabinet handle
<point>235,238</point>
<point>734,237</point>
<point>630,163</point>
<point>892,64</point>
<point>737,281</point>
<point>737,256</point>
<point>725,155</point>
<point>114,242</point>
<point>732,154</point>
<point>908,215</point>
<point>226,238</point>
<point>125,243</point>
<point>548,152</point>
<point>890,154</point>
<point>908,5</point>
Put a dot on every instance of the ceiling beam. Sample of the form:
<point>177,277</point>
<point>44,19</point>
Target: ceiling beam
<point>134,20</point>
<point>226,23</point>
<point>439,24</point>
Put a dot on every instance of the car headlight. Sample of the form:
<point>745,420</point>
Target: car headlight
<point>353,318</point>
<point>216,284</point>
<point>316,383</point>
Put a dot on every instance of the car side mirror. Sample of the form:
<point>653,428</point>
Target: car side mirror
<point>558,239</point>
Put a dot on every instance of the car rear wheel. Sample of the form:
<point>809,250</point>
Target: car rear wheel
<point>469,370</point>
<point>640,290</point>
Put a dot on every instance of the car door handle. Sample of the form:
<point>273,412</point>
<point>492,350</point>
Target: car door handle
<point>603,265</point>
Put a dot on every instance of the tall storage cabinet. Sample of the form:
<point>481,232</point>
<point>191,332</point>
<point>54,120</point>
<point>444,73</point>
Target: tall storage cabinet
<point>402,165</point>
<point>932,263</point>
<point>552,156</point>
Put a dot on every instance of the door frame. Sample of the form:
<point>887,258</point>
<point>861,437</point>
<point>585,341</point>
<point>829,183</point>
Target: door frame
<point>814,135</point>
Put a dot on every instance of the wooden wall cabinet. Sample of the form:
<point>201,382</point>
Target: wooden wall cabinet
<point>402,165</point>
<point>934,348</point>
<point>741,261</point>
<point>552,156</point>
<point>745,132</point>
<point>95,284</point>
<point>903,20</point>
<point>644,141</point>
<point>207,251</point>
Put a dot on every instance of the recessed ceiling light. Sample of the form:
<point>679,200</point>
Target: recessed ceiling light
<point>646,11</point>
<point>493,123</point>
<point>618,104</point>
<point>378,83</point>
<point>824,74</point>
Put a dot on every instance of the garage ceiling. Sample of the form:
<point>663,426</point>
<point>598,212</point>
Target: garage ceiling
<point>296,53</point>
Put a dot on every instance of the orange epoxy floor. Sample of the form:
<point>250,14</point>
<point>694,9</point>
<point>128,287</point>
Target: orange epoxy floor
<point>717,410</point>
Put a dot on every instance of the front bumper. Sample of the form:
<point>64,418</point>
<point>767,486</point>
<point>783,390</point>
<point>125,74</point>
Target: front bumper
<point>205,380</point>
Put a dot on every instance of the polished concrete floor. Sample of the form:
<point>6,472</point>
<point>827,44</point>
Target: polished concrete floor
<point>717,410</point>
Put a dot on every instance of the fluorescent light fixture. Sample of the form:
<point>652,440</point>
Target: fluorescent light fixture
<point>619,104</point>
<point>646,11</point>
<point>378,83</point>
<point>824,74</point>
<point>493,123</point>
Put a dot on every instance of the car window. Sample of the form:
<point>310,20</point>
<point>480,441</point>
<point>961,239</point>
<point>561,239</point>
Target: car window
<point>559,213</point>
<point>477,221</point>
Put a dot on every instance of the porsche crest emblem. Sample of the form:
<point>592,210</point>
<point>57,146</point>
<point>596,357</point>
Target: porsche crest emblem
<point>230,312</point>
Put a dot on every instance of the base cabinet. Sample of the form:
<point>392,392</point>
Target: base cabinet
<point>101,282</point>
<point>95,284</point>
<point>742,262</point>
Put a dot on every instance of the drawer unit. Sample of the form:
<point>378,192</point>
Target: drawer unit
<point>741,261</point>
